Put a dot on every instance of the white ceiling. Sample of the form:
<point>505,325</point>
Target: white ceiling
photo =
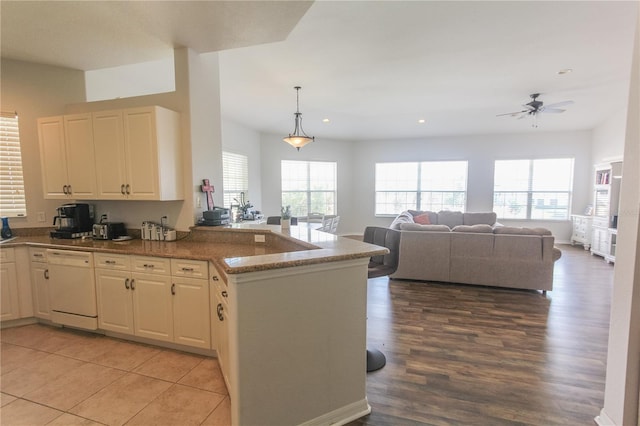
<point>372,67</point>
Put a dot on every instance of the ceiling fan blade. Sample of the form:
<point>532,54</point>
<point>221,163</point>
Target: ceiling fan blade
<point>560,104</point>
<point>552,110</point>
<point>512,114</point>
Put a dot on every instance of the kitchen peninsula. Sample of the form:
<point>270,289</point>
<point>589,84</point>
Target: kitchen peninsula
<point>289,311</point>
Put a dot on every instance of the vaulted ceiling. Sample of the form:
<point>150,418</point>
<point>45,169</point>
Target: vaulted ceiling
<point>372,68</point>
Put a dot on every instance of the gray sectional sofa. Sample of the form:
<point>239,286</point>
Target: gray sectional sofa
<point>471,248</point>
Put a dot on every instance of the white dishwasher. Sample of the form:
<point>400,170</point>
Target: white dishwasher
<point>72,288</point>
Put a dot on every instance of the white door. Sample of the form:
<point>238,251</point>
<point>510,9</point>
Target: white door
<point>115,300</point>
<point>40,286</point>
<point>81,167</point>
<point>152,306</point>
<point>9,302</point>
<point>108,138</point>
<point>191,312</point>
<point>53,157</point>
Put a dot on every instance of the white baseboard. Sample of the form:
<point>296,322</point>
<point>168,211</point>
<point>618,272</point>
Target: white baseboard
<point>342,415</point>
<point>603,419</point>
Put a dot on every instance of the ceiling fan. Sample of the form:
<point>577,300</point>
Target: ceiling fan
<point>535,107</point>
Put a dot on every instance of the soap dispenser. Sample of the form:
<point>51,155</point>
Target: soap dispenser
<point>6,231</point>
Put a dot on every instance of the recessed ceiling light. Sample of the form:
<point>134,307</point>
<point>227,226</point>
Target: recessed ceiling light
<point>421,121</point>
<point>565,71</point>
<point>325,120</point>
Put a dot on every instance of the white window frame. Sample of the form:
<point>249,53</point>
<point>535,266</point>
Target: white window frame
<point>530,197</point>
<point>235,178</point>
<point>12,194</point>
<point>413,188</point>
<point>327,190</point>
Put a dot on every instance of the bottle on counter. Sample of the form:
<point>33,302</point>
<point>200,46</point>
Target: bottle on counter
<point>6,230</point>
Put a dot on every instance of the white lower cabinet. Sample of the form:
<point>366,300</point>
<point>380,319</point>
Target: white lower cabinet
<point>153,304</point>
<point>220,323</point>
<point>9,300</point>
<point>40,283</point>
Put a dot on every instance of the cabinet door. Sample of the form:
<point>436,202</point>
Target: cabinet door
<point>81,167</point>
<point>115,306</point>
<point>221,325</point>
<point>9,302</point>
<point>191,312</point>
<point>142,153</point>
<point>108,138</point>
<point>40,285</point>
<point>152,306</point>
<point>53,158</point>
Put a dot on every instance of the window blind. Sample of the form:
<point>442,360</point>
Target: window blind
<point>235,177</point>
<point>12,201</point>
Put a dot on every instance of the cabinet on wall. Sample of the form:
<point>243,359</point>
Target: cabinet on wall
<point>139,154</point>
<point>140,296</point>
<point>67,157</point>
<point>605,207</point>
<point>128,154</point>
<point>581,232</point>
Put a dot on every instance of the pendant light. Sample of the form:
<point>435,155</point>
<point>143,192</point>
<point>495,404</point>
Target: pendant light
<point>298,138</point>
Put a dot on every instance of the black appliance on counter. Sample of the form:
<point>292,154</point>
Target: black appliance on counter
<point>73,221</point>
<point>217,217</point>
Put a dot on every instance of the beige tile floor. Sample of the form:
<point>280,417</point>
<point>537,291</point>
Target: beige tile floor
<point>53,376</point>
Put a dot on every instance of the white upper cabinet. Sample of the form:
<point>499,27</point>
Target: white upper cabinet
<point>153,154</point>
<point>133,154</point>
<point>67,157</point>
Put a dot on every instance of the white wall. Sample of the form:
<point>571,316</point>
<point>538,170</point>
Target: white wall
<point>480,151</point>
<point>608,138</point>
<point>239,139</point>
<point>146,78</point>
<point>34,91</point>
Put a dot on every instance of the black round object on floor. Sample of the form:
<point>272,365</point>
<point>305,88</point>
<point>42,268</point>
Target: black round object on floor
<point>375,360</point>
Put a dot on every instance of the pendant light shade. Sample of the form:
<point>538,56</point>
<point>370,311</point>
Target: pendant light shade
<point>298,138</point>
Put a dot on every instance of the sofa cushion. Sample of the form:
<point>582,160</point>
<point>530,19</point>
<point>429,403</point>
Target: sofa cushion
<point>480,228</point>
<point>404,217</point>
<point>514,230</point>
<point>433,216</point>
<point>418,227</point>
<point>422,219</point>
<point>451,219</point>
<point>486,218</point>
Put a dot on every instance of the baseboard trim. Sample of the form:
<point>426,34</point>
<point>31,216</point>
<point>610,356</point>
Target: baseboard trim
<point>342,415</point>
<point>603,419</point>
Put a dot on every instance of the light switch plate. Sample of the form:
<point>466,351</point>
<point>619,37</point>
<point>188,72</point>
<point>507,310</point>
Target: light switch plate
<point>41,217</point>
<point>259,238</point>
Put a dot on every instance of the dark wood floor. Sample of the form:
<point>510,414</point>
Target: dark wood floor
<point>486,356</point>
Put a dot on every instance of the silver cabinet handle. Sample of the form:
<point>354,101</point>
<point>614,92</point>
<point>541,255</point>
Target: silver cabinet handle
<point>133,284</point>
<point>173,289</point>
<point>215,278</point>
<point>46,274</point>
<point>69,190</point>
<point>126,283</point>
<point>185,269</point>
<point>110,262</point>
<point>149,265</point>
<point>225,294</point>
<point>65,189</point>
<point>128,189</point>
<point>122,189</point>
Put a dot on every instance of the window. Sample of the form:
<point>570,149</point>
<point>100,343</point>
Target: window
<point>428,185</point>
<point>309,186</point>
<point>12,202</point>
<point>235,178</point>
<point>533,189</point>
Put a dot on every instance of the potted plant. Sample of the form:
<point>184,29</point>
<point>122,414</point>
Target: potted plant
<point>285,217</point>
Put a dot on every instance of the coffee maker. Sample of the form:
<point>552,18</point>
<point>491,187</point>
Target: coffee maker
<point>73,221</point>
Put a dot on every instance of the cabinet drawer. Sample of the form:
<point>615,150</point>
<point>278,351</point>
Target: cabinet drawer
<point>38,255</point>
<point>112,261</point>
<point>189,268</point>
<point>7,255</point>
<point>151,265</point>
